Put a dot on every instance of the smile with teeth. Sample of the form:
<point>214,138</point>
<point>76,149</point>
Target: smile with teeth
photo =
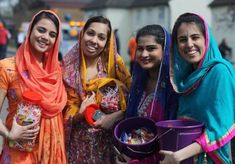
<point>91,48</point>
<point>191,52</point>
<point>145,61</point>
<point>42,44</point>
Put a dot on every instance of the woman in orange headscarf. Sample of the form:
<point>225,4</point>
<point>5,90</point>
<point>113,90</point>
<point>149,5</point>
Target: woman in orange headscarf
<point>35,68</point>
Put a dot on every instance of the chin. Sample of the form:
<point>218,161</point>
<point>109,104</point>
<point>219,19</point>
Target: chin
<point>146,67</point>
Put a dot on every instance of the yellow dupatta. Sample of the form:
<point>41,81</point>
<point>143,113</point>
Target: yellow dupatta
<point>95,84</point>
<point>74,69</point>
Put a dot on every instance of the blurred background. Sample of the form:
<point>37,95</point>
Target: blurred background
<point>126,16</point>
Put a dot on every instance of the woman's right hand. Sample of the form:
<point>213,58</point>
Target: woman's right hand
<point>90,99</point>
<point>28,132</point>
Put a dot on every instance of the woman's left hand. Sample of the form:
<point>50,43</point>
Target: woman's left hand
<point>106,121</point>
<point>169,157</point>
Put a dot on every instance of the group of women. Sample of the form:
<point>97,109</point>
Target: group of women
<point>191,82</point>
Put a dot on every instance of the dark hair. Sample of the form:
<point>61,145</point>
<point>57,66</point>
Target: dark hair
<point>98,19</point>
<point>153,30</point>
<point>45,14</point>
<point>187,18</point>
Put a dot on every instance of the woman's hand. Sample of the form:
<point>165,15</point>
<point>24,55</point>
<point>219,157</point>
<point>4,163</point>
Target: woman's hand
<point>28,132</point>
<point>182,154</point>
<point>122,159</point>
<point>170,157</point>
<point>90,99</point>
<point>108,120</point>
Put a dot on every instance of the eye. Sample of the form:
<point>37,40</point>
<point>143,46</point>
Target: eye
<point>90,33</point>
<point>151,48</point>
<point>140,49</point>
<point>41,30</point>
<point>182,40</point>
<point>53,34</point>
<point>196,37</point>
<point>102,37</point>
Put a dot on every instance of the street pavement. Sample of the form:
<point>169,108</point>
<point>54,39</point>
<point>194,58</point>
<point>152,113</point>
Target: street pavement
<point>11,52</point>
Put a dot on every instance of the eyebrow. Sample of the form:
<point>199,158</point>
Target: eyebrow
<point>91,29</point>
<point>46,29</point>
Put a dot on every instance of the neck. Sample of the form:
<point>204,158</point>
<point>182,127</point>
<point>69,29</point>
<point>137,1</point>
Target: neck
<point>91,61</point>
<point>153,74</point>
<point>38,56</point>
<point>40,59</point>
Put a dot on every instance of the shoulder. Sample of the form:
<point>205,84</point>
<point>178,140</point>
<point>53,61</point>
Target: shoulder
<point>8,63</point>
<point>222,68</point>
<point>222,72</point>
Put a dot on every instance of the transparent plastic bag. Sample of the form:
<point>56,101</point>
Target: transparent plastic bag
<point>28,112</point>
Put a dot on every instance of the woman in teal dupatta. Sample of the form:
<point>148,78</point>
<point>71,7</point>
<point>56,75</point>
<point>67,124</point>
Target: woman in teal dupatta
<point>206,83</point>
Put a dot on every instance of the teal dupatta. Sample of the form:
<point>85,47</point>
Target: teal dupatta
<point>207,95</point>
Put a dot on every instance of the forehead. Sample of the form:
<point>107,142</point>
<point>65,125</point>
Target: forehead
<point>46,23</point>
<point>99,27</point>
<point>147,40</point>
<point>186,29</point>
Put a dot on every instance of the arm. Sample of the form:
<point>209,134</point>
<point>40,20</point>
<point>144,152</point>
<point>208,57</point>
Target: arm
<point>182,154</point>
<point>17,131</point>
<point>107,121</point>
<point>3,130</point>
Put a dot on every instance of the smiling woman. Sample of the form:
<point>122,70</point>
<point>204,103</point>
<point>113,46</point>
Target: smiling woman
<point>97,82</point>
<point>198,69</point>
<point>191,43</point>
<point>35,68</point>
<point>42,38</point>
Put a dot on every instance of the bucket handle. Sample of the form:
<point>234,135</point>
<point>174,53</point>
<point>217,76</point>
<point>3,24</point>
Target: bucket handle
<point>161,135</point>
<point>142,152</point>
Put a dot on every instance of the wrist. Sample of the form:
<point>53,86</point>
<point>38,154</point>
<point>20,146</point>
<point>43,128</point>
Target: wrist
<point>177,155</point>
<point>7,135</point>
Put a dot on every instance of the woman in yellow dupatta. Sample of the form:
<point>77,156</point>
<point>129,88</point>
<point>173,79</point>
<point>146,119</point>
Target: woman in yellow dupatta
<point>92,65</point>
<point>35,68</point>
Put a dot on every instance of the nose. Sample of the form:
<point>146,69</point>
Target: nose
<point>189,43</point>
<point>45,36</point>
<point>145,53</point>
<point>94,39</point>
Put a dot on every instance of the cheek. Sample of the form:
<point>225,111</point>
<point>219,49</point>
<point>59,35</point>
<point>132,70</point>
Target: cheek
<point>138,56</point>
<point>101,45</point>
<point>53,40</point>
<point>31,39</point>
<point>180,48</point>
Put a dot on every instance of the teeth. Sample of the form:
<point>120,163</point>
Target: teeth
<point>191,52</point>
<point>42,43</point>
<point>91,48</point>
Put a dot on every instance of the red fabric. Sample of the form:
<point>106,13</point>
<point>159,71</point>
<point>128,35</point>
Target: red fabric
<point>88,113</point>
<point>3,36</point>
<point>46,81</point>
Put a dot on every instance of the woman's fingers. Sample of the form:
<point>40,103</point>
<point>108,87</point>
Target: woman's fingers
<point>32,125</point>
<point>164,152</point>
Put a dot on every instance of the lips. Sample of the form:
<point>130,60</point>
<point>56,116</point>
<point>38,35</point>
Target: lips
<point>191,52</point>
<point>42,44</point>
<point>91,48</point>
<point>145,61</point>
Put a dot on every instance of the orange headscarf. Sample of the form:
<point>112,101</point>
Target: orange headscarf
<point>46,81</point>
